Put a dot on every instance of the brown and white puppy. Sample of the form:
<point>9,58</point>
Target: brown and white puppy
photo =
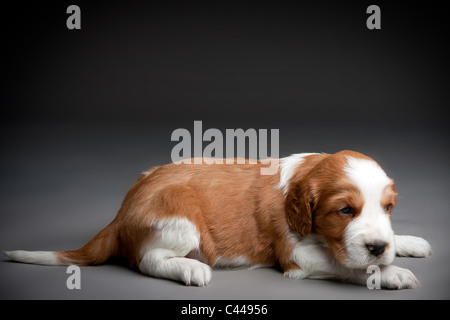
<point>320,216</point>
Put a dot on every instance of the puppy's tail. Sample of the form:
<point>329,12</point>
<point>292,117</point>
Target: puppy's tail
<point>102,247</point>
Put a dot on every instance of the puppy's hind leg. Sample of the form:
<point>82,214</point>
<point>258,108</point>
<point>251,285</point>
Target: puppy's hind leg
<point>165,255</point>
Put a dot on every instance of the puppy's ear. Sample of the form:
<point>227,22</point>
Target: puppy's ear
<point>300,202</point>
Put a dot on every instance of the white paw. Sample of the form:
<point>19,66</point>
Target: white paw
<point>295,274</point>
<point>409,246</point>
<point>195,273</point>
<point>393,277</point>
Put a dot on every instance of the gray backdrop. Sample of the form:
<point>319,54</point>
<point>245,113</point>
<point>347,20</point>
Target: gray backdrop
<point>85,111</point>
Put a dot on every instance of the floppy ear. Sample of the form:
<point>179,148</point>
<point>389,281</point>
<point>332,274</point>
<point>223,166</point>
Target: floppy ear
<point>299,205</point>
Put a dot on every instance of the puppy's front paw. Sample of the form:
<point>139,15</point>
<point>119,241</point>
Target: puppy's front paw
<point>410,246</point>
<point>393,277</point>
<point>295,274</point>
<point>421,248</point>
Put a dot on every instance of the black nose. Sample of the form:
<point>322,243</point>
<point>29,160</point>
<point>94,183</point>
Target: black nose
<point>376,248</point>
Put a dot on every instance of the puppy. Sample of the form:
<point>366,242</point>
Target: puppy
<point>320,216</point>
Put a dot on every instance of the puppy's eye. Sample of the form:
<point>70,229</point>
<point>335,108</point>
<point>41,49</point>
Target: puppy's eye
<point>388,207</point>
<point>346,210</point>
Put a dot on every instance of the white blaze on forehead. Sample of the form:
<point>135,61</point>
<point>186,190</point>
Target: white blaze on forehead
<point>368,176</point>
<point>373,224</point>
<point>288,166</point>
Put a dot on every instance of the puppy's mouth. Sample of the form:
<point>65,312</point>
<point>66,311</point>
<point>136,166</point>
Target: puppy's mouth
<point>361,256</point>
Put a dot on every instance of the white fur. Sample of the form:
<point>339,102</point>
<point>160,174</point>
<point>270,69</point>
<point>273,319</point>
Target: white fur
<point>409,246</point>
<point>393,277</point>
<point>297,274</point>
<point>312,256</point>
<point>236,262</point>
<point>373,224</point>
<point>36,257</point>
<point>165,255</point>
<point>287,167</point>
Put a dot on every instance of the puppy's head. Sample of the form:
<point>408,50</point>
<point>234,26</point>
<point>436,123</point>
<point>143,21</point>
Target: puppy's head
<point>348,199</point>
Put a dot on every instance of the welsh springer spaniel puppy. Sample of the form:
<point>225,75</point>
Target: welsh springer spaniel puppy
<point>321,216</point>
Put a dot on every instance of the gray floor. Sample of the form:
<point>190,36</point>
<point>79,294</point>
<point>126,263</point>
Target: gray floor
<point>60,184</point>
<point>85,111</point>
